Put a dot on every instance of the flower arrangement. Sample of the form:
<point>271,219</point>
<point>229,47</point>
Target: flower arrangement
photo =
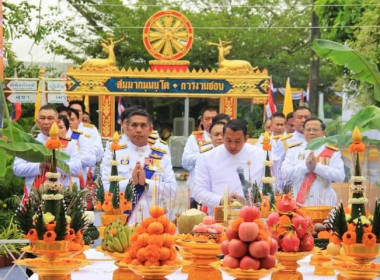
<point>268,198</point>
<point>152,244</point>
<point>43,216</point>
<point>114,202</point>
<point>290,226</point>
<point>354,224</point>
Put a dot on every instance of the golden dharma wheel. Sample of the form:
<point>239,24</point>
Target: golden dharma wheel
<point>168,35</point>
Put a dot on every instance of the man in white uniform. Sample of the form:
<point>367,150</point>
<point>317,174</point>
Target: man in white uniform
<point>89,130</point>
<point>34,171</point>
<point>147,166</point>
<point>217,169</point>
<point>197,141</point>
<point>313,171</point>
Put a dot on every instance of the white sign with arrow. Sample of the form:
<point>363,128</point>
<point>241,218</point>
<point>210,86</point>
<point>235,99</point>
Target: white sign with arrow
<point>17,85</point>
<point>57,98</point>
<point>22,98</point>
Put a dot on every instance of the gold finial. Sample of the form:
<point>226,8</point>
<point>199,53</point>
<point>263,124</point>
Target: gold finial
<point>53,132</point>
<point>266,137</point>
<point>115,138</point>
<point>356,136</point>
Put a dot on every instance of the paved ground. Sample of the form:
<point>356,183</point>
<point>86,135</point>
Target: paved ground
<point>179,206</point>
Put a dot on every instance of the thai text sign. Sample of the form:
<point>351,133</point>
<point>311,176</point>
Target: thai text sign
<point>201,86</point>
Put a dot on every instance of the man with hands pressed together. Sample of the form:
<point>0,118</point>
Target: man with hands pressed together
<point>146,166</point>
<point>217,169</point>
<point>313,171</point>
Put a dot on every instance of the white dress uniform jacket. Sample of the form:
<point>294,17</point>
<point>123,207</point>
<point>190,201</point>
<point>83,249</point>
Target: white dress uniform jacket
<point>332,169</point>
<point>216,170</point>
<point>190,155</point>
<point>166,187</point>
<point>30,170</point>
<point>96,140</point>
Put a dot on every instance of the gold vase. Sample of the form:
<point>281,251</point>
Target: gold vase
<point>203,255</point>
<point>109,219</point>
<point>319,260</point>
<point>288,261</point>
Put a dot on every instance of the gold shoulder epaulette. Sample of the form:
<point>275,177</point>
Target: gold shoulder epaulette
<point>287,136</point>
<point>206,143</point>
<point>87,135</point>
<point>262,133</point>
<point>151,141</point>
<point>163,142</point>
<point>276,137</point>
<point>154,131</point>
<point>159,150</point>
<point>295,144</point>
<point>197,132</point>
<point>332,147</point>
<point>153,136</point>
<point>123,146</point>
<point>89,125</point>
<point>206,149</point>
<point>77,131</point>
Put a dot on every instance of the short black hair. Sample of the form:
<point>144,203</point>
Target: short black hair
<point>323,126</point>
<point>124,115</point>
<point>278,115</point>
<point>236,125</point>
<point>140,112</point>
<point>79,102</point>
<point>301,108</point>
<point>63,109</point>
<point>65,121</point>
<point>216,123</point>
<point>48,107</point>
<point>289,116</point>
<point>220,118</point>
<point>73,111</point>
<point>208,108</point>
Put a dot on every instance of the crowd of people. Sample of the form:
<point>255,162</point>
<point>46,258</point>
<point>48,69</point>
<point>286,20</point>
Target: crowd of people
<point>217,156</point>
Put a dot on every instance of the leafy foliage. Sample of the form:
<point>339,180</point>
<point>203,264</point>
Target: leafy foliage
<point>338,221</point>
<point>376,220</point>
<point>61,224</point>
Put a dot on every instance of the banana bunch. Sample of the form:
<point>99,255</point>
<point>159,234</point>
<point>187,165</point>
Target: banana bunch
<point>117,237</point>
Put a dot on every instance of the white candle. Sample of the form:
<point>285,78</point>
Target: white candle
<point>225,204</point>
<point>154,194</point>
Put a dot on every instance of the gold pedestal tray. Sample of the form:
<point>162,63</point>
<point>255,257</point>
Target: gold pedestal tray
<point>101,231</point>
<point>319,260</point>
<point>317,213</point>
<point>109,219</point>
<point>353,271</point>
<point>154,272</point>
<point>360,253</point>
<point>246,274</point>
<point>50,250</point>
<point>123,272</point>
<point>203,254</point>
<point>186,260</point>
<point>289,262</point>
<point>53,270</point>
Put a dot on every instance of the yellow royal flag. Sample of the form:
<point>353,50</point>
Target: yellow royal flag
<point>38,102</point>
<point>288,101</point>
<point>87,103</point>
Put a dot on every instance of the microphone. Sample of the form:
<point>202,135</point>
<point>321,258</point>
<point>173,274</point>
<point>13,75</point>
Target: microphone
<point>243,181</point>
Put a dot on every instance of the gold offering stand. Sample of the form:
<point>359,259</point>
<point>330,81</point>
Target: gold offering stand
<point>54,260</point>
<point>108,219</point>
<point>202,255</point>
<point>357,265</point>
<point>246,274</point>
<point>288,261</point>
<point>318,213</point>
<point>319,260</point>
<point>153,272</point>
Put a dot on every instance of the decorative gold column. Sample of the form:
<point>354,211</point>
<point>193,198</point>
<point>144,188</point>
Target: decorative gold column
<point>228,105</point>
<point>107,115</point>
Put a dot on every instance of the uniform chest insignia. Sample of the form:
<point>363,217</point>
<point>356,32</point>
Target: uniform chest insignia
<point>295,144</point>
<point>301,156</point>
<point>205,149</point>
<point>87,135</point>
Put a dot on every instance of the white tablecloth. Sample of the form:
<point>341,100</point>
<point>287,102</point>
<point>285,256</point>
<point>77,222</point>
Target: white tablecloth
<point>102,267</point>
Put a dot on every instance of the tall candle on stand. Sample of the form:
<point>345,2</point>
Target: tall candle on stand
<point>154,194</point>
<point>225,204</point>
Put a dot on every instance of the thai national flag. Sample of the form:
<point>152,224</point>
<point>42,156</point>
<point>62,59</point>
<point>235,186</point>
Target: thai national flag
<point>270,106</point>
<point>120,109</point>
<point>16,111</point>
